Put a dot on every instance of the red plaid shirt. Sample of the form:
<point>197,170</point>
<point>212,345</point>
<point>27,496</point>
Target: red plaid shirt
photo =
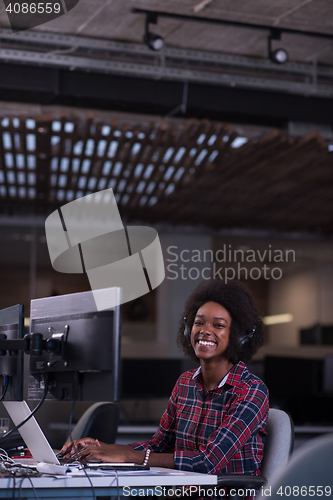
<point>221,432</point>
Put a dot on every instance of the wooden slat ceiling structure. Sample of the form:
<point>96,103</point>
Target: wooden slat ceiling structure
<point>186,172</point>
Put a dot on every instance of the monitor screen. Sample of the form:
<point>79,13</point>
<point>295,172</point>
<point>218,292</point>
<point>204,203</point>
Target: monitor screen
<point>166,372</point>
<point>85,365</point>
<point>11,362</point>
<point>296,386</point>
<point>328,375</point>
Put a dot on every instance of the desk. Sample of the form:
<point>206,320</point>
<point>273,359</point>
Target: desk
<point>77,488</point>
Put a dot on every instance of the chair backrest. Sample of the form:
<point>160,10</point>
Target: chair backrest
<point>99,421</point>
<point>309,472</point>
<point>279,442</point>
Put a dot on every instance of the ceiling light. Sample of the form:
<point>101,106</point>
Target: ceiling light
<point>276,319</point>
<point>279,56</point>
<point>154,42</point>
<point>238,142</point>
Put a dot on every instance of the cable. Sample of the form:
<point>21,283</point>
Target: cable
<point>76,455</point>
<point>32,485</point>
<point>14,487</point>
<point>31,414</point>
<point>72,413</point>
<point>6,384</point>
<point>76,451</point>
<point>181,107</point>
<point>63,51</point>
<point>5,459</point>
<point>117,482</point>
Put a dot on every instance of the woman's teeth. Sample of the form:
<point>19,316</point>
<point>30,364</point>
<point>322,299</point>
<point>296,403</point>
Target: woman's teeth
<point>205,342</point>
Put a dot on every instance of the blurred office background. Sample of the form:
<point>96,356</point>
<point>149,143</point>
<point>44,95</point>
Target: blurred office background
<point>224,150</point>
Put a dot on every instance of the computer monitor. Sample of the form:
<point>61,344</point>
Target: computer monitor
<point>86,365</point>
<point>296,386</point>
<point>328,375</point>
<point>11,362</point>
<point>165,374</point>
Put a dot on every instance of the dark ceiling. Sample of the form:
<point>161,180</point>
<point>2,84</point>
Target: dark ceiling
<point>187,172</point>
<point>207,88</point>
<point>94,57</point>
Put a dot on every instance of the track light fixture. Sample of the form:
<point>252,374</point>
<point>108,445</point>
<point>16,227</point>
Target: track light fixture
<point>153,41</point>
<point>279,56</point>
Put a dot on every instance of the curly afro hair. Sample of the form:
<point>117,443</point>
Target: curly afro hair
<point>237,299</point>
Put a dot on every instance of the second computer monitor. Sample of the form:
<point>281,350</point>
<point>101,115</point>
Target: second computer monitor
<point>11,362</point>
<point>85,366</point>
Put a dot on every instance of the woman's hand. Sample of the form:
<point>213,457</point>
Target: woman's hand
<point>102,452</point>
<point>88,450</point>
<point>72,447</point>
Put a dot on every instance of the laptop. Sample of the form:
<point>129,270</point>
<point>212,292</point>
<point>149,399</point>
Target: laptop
<point>41,449</point>
<point>31,432</point>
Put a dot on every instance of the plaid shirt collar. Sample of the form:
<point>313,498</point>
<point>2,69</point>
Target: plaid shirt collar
<point>232,378</point>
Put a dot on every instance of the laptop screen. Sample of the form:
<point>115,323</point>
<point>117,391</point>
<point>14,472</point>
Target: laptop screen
<point>31,433</point>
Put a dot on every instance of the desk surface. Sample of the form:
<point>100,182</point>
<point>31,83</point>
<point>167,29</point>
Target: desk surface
<point>75,487</point>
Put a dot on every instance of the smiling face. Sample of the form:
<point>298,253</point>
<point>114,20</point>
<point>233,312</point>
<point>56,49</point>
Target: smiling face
<point>210,331</point>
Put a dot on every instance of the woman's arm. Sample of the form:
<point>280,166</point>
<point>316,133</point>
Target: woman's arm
<point>89,449</point>
<point>161,444</point>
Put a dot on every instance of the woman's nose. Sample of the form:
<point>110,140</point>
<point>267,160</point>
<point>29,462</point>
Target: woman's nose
<point>206,329</point>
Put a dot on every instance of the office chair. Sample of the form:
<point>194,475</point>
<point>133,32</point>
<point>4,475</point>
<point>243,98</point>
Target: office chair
<point>309,472</point>
<point>278,447</point>
<point>99,421</point>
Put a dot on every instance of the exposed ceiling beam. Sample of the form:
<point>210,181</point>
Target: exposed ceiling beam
<point>25,223</point>
<point>57,42</point>
<point>164,72</point>
<point>50,86</point>
<point>136,60</point>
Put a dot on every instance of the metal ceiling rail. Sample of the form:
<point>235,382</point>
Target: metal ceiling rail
<point>55,40</point>
<point>164,72</point>
<point>155,14</point>
<point>38,221</point>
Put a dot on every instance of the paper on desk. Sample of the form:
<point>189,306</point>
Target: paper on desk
<point>100,472</point>
<point>147,472</point>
